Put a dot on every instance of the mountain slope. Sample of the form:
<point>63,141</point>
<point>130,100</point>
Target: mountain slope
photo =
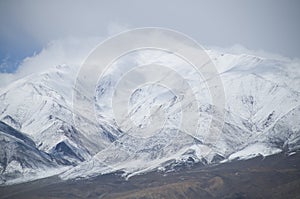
<point>19,156</point>
<point>261,116</point>
<point>257,108</point>
<point>275,176</point>
<point>40,106</point>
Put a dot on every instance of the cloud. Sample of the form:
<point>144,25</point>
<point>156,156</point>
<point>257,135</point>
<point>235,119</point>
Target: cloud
<point>72,51</point>
<point>30,22</point>
<point>4,64</point>
<point>240,49</point>
<point>69,51</point>
<point>115,28</point>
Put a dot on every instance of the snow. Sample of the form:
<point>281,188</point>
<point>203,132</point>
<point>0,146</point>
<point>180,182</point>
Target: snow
<point>261,117</point>
<point>37,174</point>
<point>292,153</point>
<point>253,151</point>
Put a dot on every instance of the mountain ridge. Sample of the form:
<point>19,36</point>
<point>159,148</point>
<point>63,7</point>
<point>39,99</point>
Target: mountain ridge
<point>260,105</point>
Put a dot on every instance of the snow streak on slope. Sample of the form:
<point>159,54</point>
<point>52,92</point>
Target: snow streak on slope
<point>20,160</point>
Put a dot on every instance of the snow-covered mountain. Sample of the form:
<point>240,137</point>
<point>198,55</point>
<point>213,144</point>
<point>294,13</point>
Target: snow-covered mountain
<point>258,100</point>
<point>19,156</point>
<point>39,106</point>
<point>262,115</point>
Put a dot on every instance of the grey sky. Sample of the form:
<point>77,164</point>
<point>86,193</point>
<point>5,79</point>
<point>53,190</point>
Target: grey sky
<point>273,26</point>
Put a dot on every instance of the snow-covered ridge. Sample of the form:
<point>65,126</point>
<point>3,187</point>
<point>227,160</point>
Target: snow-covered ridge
<point>262,117</point>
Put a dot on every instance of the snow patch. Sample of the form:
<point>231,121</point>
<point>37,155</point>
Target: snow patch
<point>253,151</point>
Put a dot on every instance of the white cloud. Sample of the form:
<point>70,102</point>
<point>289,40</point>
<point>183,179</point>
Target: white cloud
<point>240,49</point>
<point>70,51</point>
<point>115,28</point>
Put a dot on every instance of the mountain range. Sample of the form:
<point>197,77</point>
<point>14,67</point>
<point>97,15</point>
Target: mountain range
<point>39,137</point>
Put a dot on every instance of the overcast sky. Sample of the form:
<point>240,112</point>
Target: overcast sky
<point>26,27</point>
